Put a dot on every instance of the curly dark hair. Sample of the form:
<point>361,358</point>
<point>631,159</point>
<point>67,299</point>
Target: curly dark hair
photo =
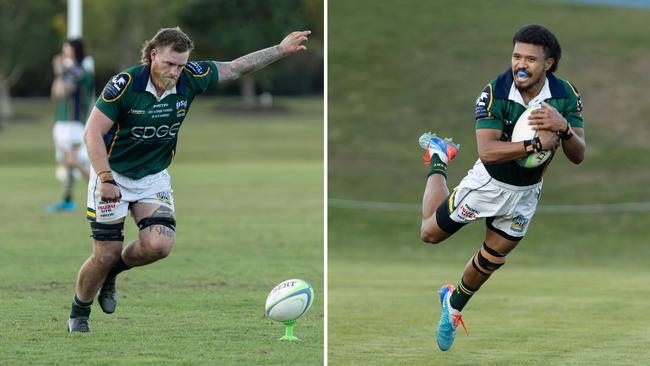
<point>173,37</point>
<point>540,35</point>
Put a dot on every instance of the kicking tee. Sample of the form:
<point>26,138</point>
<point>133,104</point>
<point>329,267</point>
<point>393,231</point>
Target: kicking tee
<point>143,138</point>
<point>499,106</point>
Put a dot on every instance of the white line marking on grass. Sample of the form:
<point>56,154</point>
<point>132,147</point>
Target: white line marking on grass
<point>543,209</point>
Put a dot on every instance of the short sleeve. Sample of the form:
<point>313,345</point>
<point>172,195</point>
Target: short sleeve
<point>484,111</point>
<point>110,102</point>
<point>201,75</point>
<point>574,108</point>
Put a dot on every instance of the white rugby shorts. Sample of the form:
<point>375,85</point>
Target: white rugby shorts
<point>68,134</point>
<point>155,189</point>
<point>506,208</point>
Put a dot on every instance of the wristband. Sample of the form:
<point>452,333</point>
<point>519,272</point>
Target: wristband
<point>105,175</point>
<point>533,145</point>
<point>566,134</point>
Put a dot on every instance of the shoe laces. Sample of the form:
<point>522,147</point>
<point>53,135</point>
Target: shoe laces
<point>427,156</point>
<point>456,319</point>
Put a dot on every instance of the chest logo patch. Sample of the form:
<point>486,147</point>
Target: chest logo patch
<point>181,108</point>
<point>116,87</point>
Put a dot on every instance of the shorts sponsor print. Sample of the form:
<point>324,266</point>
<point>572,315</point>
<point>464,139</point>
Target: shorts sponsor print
<point>154,189</point>
<point>509,208</point>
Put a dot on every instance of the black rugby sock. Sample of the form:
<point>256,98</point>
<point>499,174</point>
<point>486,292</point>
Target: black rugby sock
<point>80,308</point>
<point>437,166</point>
<point>461,296</point>
<point>118,268</point>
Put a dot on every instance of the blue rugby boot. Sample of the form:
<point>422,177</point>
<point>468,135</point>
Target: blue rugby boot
<point>61,206</point>
<point>449,320</point>
<point>446,149</point>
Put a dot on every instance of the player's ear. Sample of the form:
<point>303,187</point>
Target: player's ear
<point>153,53</point>
<point>548,63</point>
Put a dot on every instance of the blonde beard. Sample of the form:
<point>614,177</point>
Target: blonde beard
<point>162,82</point>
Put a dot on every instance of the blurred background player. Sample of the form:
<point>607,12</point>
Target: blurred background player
<point>131,139</point>
<point>73,91</point>
<point>497,188</point>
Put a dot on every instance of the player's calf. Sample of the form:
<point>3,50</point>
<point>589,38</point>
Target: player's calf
<point>478,270</point>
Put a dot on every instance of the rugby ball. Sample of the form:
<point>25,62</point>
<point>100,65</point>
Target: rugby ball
<point>524,131</point>
<point>289,300</point>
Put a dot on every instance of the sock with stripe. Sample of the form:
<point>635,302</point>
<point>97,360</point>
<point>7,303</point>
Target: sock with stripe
<point>80,308</point>
<point>461,296</point>
<point>437,166</point>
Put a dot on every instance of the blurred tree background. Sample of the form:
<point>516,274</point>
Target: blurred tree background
<point>31,32</point>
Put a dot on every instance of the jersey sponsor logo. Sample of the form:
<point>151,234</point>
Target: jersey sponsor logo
<point>136,111</point>
<point>198,68</point>
<point>151,132</point>
<point>116,87</point>
<point>519,223</point>
<point>181,108</point>
<point>483,103</point>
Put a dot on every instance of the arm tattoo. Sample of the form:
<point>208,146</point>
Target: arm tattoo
<point>249,63</point>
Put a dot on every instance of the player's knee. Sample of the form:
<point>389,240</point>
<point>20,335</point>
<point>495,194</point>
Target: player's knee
<point>431,236</point>
<point>160,235</point>
<point>158,247</point>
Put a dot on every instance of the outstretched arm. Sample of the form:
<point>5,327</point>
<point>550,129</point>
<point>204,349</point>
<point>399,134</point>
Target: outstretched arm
<point>259,59</point>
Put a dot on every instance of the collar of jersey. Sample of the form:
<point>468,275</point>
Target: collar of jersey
<point>516,97</point>
<point>504,85</point>
<point>142,83</point>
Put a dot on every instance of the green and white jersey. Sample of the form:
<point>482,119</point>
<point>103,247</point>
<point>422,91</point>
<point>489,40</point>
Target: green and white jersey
<point>499,106</point>
<point>143,138</point>
<point>76,106</point>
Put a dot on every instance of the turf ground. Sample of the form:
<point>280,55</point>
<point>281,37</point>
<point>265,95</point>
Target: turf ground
<point>249,201</point>
<point>575,291</point>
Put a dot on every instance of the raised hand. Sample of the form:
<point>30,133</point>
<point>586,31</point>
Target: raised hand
<point>294,42</point>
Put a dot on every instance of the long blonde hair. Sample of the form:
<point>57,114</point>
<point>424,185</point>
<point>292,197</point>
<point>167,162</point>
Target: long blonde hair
<point>173,37</point>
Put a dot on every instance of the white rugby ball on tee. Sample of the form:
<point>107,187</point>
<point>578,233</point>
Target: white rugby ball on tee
<point>289,300</point>
<point>524,131</point>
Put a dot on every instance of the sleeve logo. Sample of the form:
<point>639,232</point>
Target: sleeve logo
<point>116,87</point>
<point>483,103</point>
<point>198,68</point>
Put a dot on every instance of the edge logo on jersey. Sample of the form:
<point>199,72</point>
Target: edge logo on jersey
<point>142,133</point>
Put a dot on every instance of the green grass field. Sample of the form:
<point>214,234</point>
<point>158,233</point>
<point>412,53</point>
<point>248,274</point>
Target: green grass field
<point>249,201</point>
<point>575,292</point>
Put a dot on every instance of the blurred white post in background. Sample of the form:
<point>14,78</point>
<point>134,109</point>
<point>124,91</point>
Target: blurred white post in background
<point>75,17</point>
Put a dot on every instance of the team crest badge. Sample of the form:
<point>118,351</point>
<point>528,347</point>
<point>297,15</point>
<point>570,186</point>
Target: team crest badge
<point>483,102</point>
<point>116,87</point>
<point>198,68</point>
